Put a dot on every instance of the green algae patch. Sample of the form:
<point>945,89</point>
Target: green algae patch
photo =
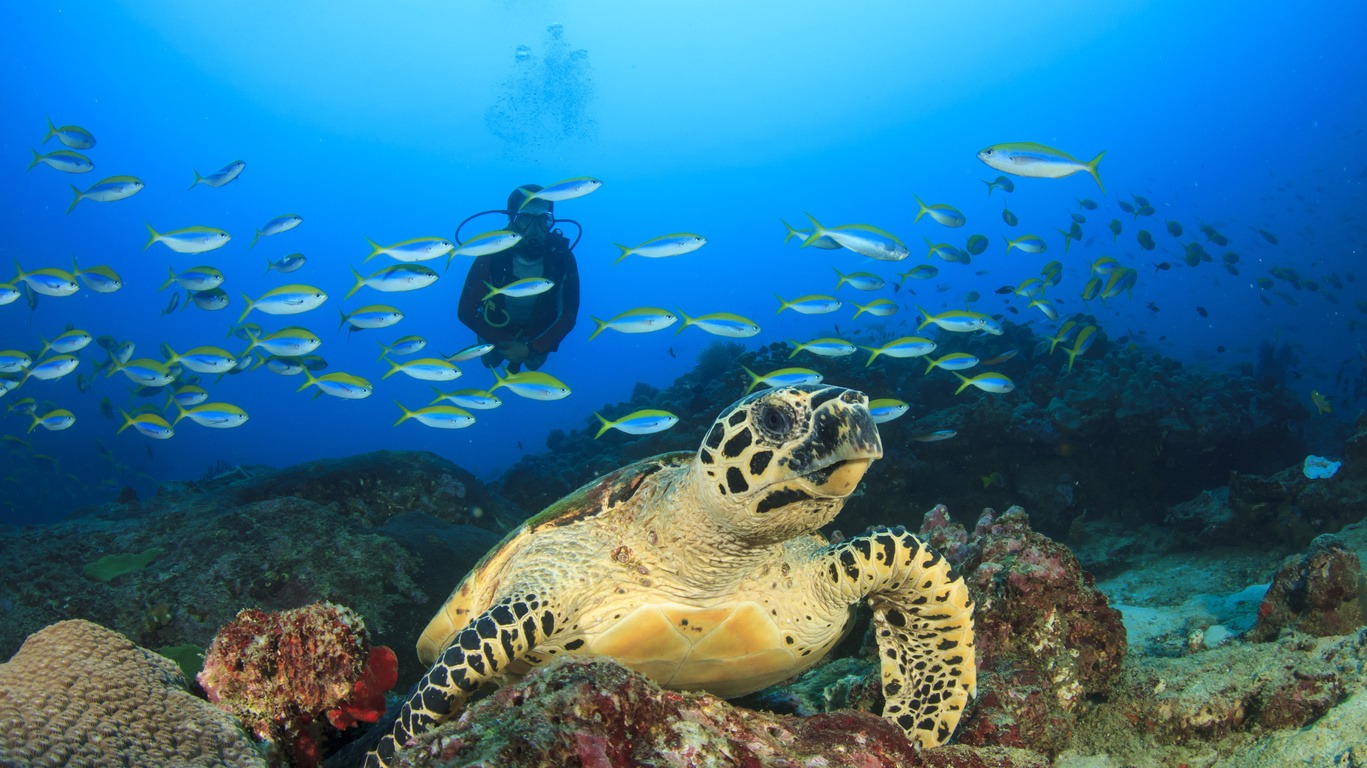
<point>190,658</point>
<point>110,567</point>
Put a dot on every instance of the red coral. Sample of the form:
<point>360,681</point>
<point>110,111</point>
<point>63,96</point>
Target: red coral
<point>366,704</point>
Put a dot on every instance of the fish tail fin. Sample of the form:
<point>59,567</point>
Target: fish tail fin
<point>246,311</point>
<point>255,237</point>
<point>966,381</point>
<point>990,186</point>
<point>601,325</point>
<point>492,291</point>
<point>440,394</point>
<point>687,321</point>
<point>843,278</point>
<point>309,378</point>
<point>626,250</point>
<point>817,230</point>
<point>606,425</point>
<point>929,317</point>
<point>930,365</point>
<point>51,131</point>
<point>1009,243</point>
<point>782,305</point>
<point>269,265</point>
<point>360,281</point>
<point>384,351</point>
<point>35,418</point>
<point>792,233</point>
<point>797,347</point>
<point>36,159</point>
<point>755,379</point>
<point>924,210</point>
<point>393,367</point>
<point>170,280</point>
<point>127,421</point>
<point>168,353</point>
<point>376,249</point>
<point>197,180</point>
<point>873,355</point>
<point>1091,168</point>
<point>407,414</point>
<point>343,322</point>
<point>154,236</point>
<point>180,412</point>
<point>79,197</point>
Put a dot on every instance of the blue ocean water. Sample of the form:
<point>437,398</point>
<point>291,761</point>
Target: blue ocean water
<point>396,122</point>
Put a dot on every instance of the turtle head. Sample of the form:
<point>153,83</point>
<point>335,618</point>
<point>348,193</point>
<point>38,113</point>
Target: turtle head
<point>781,462</point>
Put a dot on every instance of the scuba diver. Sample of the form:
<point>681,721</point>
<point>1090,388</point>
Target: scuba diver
<point>524,329</point>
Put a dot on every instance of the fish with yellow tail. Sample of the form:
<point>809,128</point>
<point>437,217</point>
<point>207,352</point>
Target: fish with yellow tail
<point>943,214</point>
<point>343,385</point>
<point>533,385</point>
<point>863,239</point>
<point>1036,161</point>
<point>1085,338</point>
<point>643,422</point>
<point>437,416</point>
<point>784,377</point>
<point>639,320</point>
<point>996,383</point>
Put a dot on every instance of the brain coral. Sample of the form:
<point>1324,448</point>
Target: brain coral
<point>77,695</point>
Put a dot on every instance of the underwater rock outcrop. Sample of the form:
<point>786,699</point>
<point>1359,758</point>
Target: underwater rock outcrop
<point>81,696</point>
<point>594,712</point>
<point>1048,641</point>
<point>229,544</point>
<point>1322,592</point>
<point>289,675</point>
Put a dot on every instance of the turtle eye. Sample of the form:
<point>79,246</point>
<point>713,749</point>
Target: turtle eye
<point>775,420</point>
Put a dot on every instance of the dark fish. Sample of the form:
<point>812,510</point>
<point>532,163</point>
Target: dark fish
<point>1009,217</point>
<point>173,304</point>
<point>976,244</point>
<point>1202,312</point>
<point>1088,204</point>
<point>1230,257</point>
<point>1220,348</point>
<point>106,408</point>
<point>1230,268</point>
<point>1161,266</point>
<point>1174,228</point>
<point>1005,289</point>
<point>1126,207</point>
<point>1079,218</point>
<point>1115,228</point>
<point>1268,236</point>
<point>1003,357</point>
<point>1013,310</point>
<point>1145,240</point>
<point>1153,307</point>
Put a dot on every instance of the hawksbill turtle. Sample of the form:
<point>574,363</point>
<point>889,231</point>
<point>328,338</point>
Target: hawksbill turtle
<point>704,571</point>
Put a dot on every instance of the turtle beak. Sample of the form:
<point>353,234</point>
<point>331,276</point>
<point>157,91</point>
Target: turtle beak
<point>840,478</point>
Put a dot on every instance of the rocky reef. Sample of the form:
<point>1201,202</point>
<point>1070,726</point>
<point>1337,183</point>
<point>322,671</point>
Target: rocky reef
<point>387,534</point>
<point>1123,436</point>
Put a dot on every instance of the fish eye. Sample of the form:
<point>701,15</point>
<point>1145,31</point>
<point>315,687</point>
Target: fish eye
<point>987,151</point>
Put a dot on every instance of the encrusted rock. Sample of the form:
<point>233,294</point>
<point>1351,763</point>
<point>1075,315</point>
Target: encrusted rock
<point>1047,639</point>
<point>594,713</point>
<point>1320,593</point>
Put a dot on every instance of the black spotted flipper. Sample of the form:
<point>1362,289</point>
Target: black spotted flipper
<point>480,651</point>
<point>923,621</point>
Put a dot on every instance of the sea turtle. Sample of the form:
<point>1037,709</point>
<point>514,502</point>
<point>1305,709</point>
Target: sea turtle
<point>704,571</point>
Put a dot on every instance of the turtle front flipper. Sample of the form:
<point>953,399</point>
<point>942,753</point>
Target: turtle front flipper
<point>923,621</point>
<point>484,648</point>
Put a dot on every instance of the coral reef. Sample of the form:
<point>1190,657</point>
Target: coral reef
<point>595,713</point>
<point>1055,445</point>
<point>1320,593</point>
<point>285,674</point>
<point>79,695</point>
<point>228,546</point>
<point>1047,639</point>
